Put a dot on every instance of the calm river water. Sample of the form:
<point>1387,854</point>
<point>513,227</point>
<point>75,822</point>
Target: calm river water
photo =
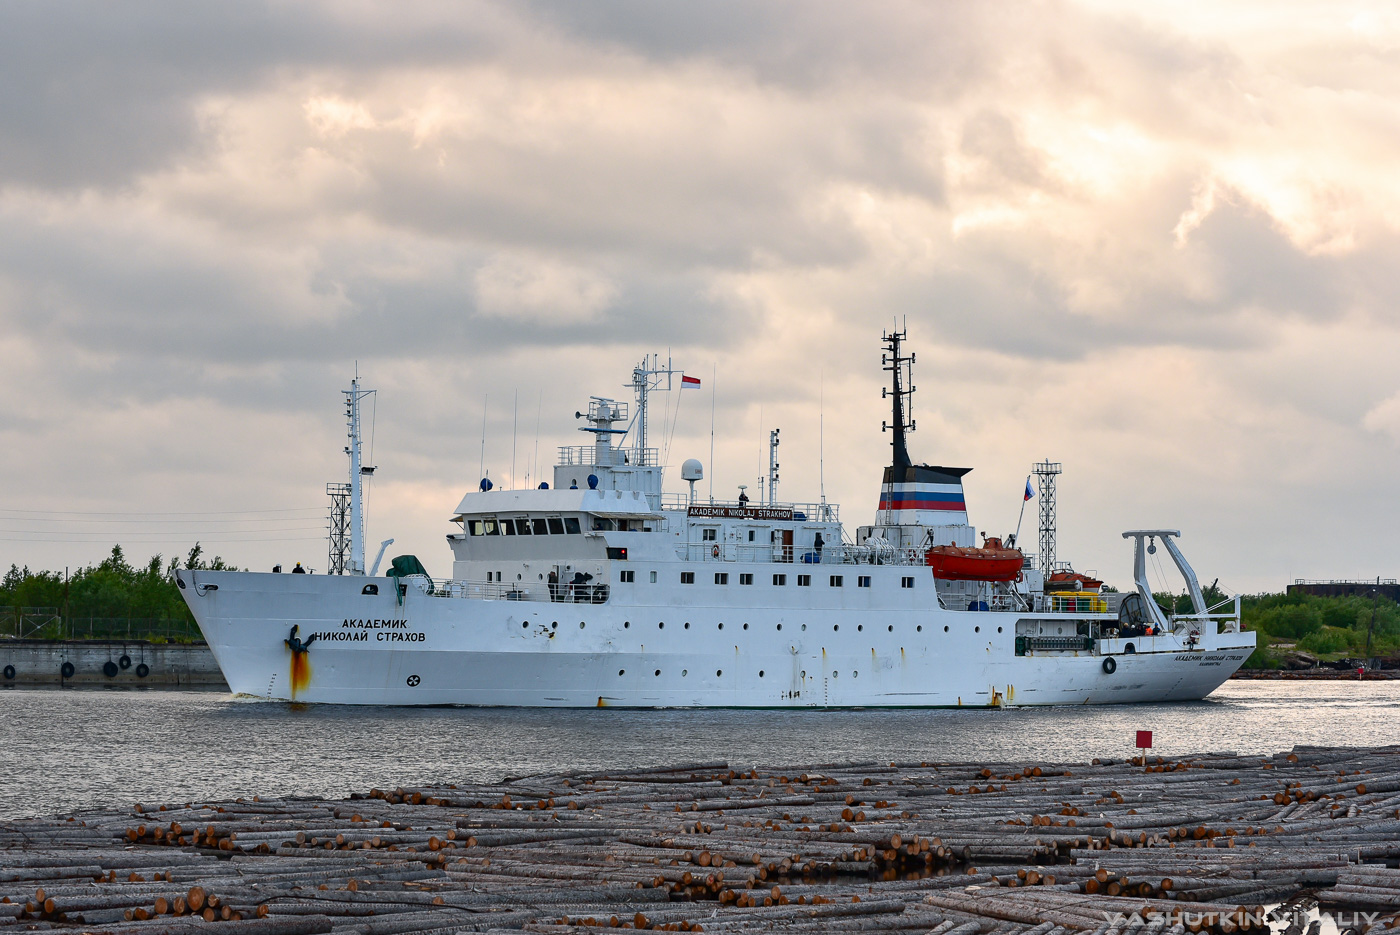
<point>66,750</point>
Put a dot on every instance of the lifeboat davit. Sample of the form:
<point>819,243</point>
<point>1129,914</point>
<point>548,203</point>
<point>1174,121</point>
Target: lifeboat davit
<point>992,562</point>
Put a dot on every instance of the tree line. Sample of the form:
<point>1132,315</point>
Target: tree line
<point>113,588</point>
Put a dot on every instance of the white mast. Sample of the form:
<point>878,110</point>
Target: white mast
<point>356,565</point>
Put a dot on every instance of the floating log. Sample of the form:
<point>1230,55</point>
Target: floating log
<point>1166,847</point>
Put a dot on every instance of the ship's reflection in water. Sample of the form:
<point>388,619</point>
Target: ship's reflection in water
<point>65,750</point>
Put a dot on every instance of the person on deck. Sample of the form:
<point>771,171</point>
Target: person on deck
<point>298,570</point>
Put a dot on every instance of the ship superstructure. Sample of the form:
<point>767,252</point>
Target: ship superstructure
<point>603,590</point>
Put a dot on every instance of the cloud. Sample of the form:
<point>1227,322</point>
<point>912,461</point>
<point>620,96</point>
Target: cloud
<point>1157,247</point>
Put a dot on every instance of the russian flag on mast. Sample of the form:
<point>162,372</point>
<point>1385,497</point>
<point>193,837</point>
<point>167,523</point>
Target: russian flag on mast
<point>689,383</point>
<point>1029,493</point>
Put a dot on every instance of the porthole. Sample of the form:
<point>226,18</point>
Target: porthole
<point>855,675</point>
<point>998,629</point>
<point>626,624</point>
<point>780,626</point>
<point>760,673</point>
<point>621,671</point>
<point>581,624</point>
<point>835,627</point>
<point>556,625</point>
<point>976,629</point>
<point>804,627</point>
<point>836,675</point>
<point>721,626</point>
<point>860,628</point>
<point>920,628</point>
<point>524,624</point>
<point>718,673</point>
<point>661,625</point>
<point>945,629</point>
<point>746,626</point>
<point>804,673</point>
<point>684,672</point>
<point>687,625</point>
<point>541,576</point>
<point>657,672</point>
<point>891,628</point>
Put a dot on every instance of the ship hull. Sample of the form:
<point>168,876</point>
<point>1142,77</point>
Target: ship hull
<point>421,649</point>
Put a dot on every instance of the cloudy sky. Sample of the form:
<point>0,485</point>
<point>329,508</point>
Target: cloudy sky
<point>1157,243</point>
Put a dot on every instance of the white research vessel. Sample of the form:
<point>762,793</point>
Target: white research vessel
<point>603,591</point>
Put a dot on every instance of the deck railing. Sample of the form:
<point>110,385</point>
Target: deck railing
<point>809,512</point>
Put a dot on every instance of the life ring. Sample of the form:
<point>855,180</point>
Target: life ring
<point>142,670</point>
<point>109,669</point>
<point>124,661</point>
<point>1110,666</point>
<point>67,670</point>
<point>715,552</point>
<point>9,673</point>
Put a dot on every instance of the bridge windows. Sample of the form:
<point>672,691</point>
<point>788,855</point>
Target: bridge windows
<point>571,526</point>
<point>721,577</point>
<point>804,581</point>
<point>556,526</point>
<point>746,579</point>
<point>687,577</point>
<point>779,581</point>
<point>863,581</point>
<point>837,581</point>
<point>906,582</point>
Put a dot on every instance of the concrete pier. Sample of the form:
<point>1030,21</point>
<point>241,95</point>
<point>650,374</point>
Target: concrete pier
<point>118,663</point>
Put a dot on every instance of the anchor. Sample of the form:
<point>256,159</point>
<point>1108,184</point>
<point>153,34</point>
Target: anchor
<point>295,644</point>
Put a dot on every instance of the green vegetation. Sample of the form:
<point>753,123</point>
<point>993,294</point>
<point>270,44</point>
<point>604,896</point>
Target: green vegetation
<point>109,599</point>
<point>1327,627</point>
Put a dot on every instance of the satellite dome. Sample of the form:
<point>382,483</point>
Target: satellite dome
<point>692,469</point>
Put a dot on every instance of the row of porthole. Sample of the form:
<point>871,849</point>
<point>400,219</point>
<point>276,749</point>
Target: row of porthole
<point>860,627</point>
<point>720,672</point>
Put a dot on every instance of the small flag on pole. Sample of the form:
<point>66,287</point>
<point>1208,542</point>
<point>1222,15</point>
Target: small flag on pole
<point>690,383</point>
<point>1029,493</point>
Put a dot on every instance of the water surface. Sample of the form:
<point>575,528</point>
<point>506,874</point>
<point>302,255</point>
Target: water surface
<point>66,750</point>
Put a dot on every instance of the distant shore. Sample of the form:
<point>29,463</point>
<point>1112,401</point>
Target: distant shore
<point>1324,675</point>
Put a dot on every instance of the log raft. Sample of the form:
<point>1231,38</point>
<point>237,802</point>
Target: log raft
<point>1209,843</point>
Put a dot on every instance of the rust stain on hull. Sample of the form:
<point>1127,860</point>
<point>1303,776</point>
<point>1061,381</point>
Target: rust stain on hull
<point>301,673</point>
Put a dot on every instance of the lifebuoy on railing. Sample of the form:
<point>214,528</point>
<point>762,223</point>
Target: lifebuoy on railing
<point>715,552</point>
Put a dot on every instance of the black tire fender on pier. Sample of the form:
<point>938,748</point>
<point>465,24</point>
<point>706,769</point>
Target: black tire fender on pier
<point>109,669</point>
<point>9,673</point>
<point>142,670</point>
<point>67,670</point>
<point>124,661</point>
<point>1110,665</point>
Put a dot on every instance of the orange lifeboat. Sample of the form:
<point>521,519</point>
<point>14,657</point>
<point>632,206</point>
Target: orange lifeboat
<point>992,562</point>
<point>1072,581</point>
